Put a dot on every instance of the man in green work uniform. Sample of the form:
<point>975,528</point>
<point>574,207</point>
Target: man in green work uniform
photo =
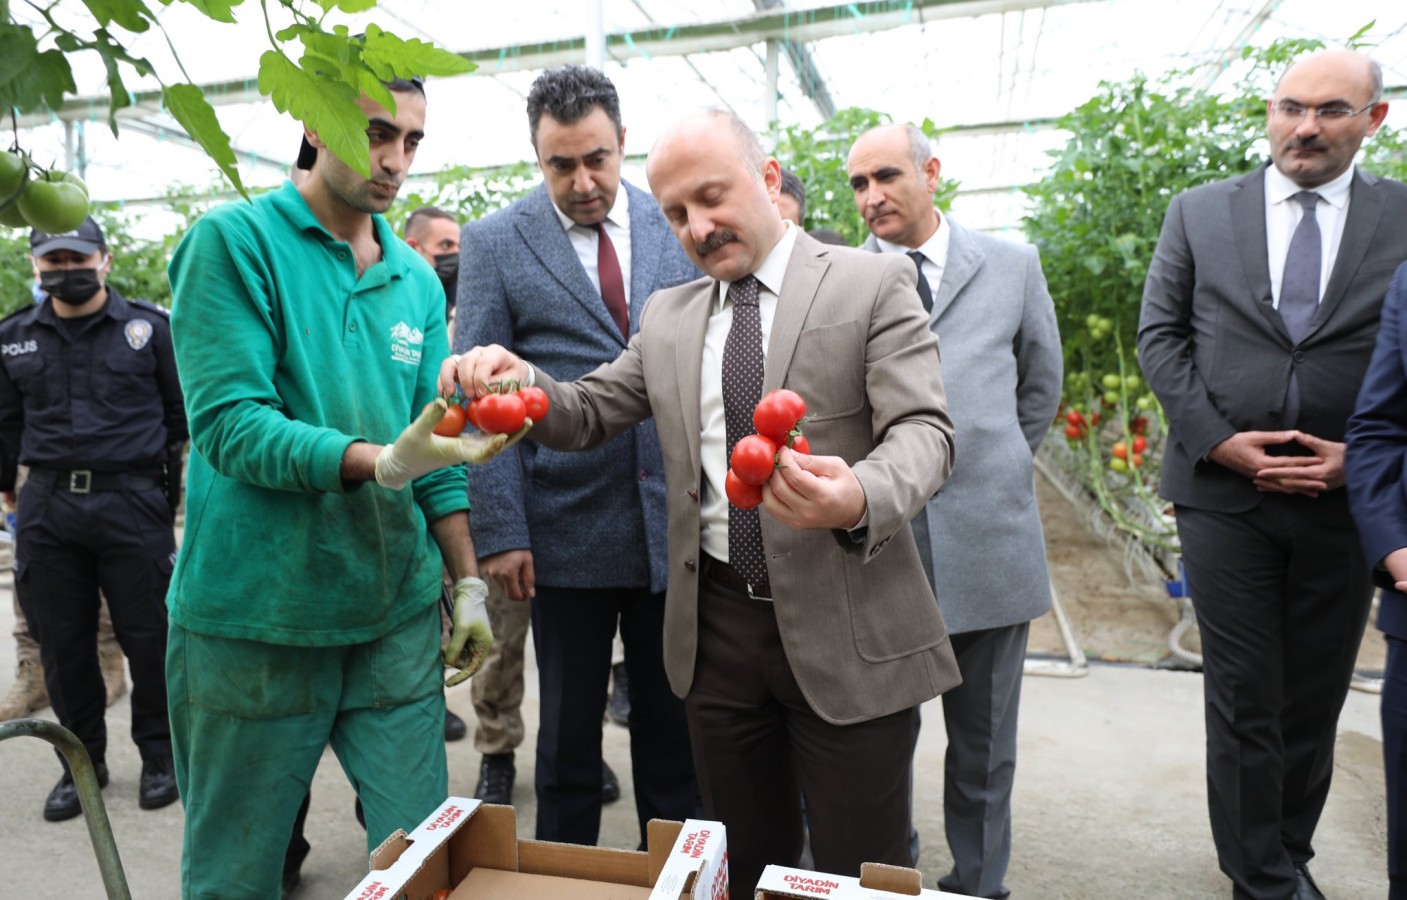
<point>304,604</point>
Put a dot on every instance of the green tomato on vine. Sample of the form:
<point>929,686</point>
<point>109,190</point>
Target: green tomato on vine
<point>47,199</point>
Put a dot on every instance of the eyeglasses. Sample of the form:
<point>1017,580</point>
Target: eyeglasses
<point>1288,109</point>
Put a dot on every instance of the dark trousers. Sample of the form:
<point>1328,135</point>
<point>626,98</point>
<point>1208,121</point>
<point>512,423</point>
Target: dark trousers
<point>1281,598</point>
<point>979,766</point>
<point>573,632</point>
<point>760,746</point>
<point>69,546</point>
<point>1394,712</point>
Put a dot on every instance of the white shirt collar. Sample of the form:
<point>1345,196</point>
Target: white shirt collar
<point>619,214</point>
<point>773,268</point>
<point>935,249</point>
<point>1279,187</point>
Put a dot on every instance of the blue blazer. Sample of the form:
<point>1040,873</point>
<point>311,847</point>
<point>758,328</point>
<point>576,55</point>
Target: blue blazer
<point>1377,452</point>
<point>595,519</point>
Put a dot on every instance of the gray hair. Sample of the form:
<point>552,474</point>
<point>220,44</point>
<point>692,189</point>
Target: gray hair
<point>920,148</point>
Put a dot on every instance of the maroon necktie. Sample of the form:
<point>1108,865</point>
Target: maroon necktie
<point>612,284</point>
<point>742,388</point>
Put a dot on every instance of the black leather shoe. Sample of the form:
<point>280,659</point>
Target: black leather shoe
<point>610,784</point>
<point>1305,888</point>
<point>455,729</point>
<point>158,785</point>
<point>496,775</point>
<point>62,802</point>
<point>619,707</point>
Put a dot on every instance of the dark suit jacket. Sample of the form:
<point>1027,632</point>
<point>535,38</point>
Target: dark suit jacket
<point>1216,352</point>
<point>858,621</point>
<point>1377,454</point>
<point>595,519</point>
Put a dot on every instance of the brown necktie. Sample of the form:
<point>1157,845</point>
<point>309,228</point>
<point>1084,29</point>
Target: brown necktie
<point>742,388</point>
<point>612,284</point>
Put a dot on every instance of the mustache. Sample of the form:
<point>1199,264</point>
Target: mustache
<point>718,239</point>
<point>1309,143</point>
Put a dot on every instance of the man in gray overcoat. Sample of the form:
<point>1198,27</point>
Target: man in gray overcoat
<point>980,536</point>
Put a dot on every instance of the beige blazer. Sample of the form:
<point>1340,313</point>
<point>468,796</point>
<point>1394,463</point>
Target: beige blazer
<point>857,619</point>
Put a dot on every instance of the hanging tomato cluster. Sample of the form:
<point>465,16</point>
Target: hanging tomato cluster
<point>35,197</point>
<point>777,418</point>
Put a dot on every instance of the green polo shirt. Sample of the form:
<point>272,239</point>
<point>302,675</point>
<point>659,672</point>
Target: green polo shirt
<point>286,357</point>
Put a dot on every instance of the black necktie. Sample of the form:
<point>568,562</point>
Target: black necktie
<point>924,293</point>
<point>612,283</point>
<point>1299,289</point>
<point>742,388</point>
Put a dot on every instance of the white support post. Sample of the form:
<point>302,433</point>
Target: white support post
<point>595,35</point>
<point>770,102</point>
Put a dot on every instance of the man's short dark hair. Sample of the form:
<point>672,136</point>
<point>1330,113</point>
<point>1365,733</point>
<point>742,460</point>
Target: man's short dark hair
<point>793,188</point>
<point>568,94</point>
<point>829,236</point>
<point>424,214</point>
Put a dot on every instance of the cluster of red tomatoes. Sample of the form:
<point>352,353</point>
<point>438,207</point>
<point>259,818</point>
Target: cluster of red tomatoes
<point>1128,454</point>
<point>777,418</point>
<point>503,410</point>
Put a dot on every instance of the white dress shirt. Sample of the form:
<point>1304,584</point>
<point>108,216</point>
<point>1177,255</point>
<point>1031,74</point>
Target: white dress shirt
<point>1282,217</point>
<point>713,442</point>
<point>934,250</point>
<point>585,240</point>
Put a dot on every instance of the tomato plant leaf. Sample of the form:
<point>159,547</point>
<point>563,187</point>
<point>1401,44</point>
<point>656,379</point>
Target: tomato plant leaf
<point>219,10</point>
<point>323,104</point>
<point>30,79</point>
<point>132,15</point>
<point>391,57</point>
<point>188,105</point>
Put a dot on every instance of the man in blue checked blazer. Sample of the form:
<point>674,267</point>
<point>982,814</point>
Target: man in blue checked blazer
<point>561,277</point>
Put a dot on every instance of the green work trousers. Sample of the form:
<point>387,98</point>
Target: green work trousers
<point>250,720</point>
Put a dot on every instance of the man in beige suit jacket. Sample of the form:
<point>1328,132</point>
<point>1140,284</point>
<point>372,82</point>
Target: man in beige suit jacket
<point>806,682</point>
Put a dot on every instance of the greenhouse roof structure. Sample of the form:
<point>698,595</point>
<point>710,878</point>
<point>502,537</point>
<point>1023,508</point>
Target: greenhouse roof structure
<point>994,74</point>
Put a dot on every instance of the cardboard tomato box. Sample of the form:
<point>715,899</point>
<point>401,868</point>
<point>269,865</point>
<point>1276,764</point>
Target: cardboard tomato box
<point>472,850</point>
<point>876,882</point>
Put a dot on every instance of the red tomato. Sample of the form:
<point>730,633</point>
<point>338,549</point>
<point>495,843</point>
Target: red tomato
<point>500,413</point>
<point>535,402</point>
<point>452,422</point>
<point>1075,418</point>
<point>1120,450</point>
<point>471,412</point>
<point>1137,460</point>
<point>777,414</point>
<point>1074,432</point>
<point>1139,444</point>
<point>441,894</point>
<point>740,493</point>
<point>753,459</point>
<point>800,444</point>
<point>1139,425</point>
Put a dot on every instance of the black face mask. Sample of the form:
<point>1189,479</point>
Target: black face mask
<point>73,286</point>
<point>447,267</point>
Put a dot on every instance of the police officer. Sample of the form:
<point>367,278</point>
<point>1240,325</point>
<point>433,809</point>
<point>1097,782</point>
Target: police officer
<point>90,401</point>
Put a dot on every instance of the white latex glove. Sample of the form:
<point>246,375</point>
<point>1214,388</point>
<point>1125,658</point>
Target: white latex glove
<point>419,451</point>
<point>470,637</point>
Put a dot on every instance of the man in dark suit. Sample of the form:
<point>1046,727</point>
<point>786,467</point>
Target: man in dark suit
<point>561,276</point>
<point>980,536</point>
<point>1259,315</point>
<point>802,634</point>
<point>1377,493</point>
